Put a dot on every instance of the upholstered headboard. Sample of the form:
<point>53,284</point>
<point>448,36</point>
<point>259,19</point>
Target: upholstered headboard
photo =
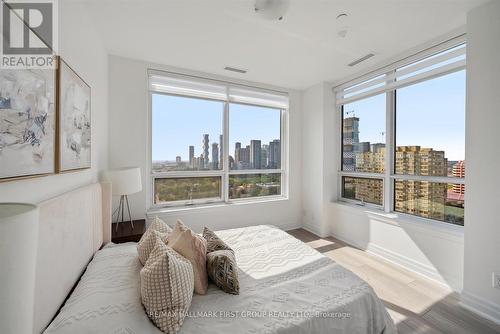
<point>72,227</point>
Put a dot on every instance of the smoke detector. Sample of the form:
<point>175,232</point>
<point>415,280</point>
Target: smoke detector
<point>273,10</point>
<point>342,24</point>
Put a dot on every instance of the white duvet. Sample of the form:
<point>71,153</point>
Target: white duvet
<point>285,287</point>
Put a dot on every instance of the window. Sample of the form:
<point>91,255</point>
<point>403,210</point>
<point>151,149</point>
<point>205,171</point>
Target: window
<point>403,136</point>
<point>215,142</point>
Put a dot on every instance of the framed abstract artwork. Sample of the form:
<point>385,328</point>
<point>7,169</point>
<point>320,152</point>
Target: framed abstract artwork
<point>74,118</point>
<point>27,123</point>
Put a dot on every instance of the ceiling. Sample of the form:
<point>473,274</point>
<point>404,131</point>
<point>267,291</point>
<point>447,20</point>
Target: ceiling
<point>298,52</point>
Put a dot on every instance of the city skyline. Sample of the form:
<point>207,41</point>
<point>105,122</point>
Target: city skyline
<point>178,122</point>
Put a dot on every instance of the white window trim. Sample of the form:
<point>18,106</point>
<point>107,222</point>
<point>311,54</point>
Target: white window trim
<point>389,176</point>
<point>225,172</point>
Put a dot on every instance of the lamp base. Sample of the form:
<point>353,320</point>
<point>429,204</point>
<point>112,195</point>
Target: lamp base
<point>121,209</point>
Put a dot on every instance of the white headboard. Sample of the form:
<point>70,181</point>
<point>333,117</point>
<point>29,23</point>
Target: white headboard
<point>72,227</point>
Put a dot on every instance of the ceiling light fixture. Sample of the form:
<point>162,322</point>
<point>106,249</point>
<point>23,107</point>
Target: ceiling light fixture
<point>359,60</point>
<point>273,10</point>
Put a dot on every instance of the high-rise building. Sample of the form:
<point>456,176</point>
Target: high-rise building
<point>237,152</point>
<point>350,136</point>
<point>178,159</point>
<point>215,156</point>
<point>205,149</point>
<point>459,171</point>
<point>274,154</point>
<point>255,154</point>
<point>221,151</point>
<point>191,156</point>
<point>244,162</point>
<point>422,198</point>
<point>264,156</point>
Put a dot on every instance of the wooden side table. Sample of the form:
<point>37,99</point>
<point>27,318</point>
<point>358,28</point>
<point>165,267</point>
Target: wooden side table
<point>125,233</point>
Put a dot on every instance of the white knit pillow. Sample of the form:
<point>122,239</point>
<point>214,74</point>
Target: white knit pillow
<point>167,284</point>
<point>148,239</point>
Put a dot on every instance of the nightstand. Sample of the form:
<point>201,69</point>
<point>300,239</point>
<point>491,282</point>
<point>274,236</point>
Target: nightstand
<point>125,233</point>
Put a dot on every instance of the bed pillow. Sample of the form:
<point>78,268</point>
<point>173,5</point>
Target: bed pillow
<point>147,242</point>
<point>222,270</point>
<point>166,287</point>
<point>194,248</point>
<point>221,263</point>
<point>214,243</point>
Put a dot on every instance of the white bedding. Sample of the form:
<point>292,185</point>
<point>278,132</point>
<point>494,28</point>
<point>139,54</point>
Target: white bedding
<point>285,287</point>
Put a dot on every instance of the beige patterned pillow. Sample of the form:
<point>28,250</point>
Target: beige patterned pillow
<point>194,248</point>
<point>222,270</point>
<point>166,287</point>
<point>148,239</point>
<point>214,243</point>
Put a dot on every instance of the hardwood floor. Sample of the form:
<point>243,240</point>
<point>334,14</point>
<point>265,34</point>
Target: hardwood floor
<point>416,304</point>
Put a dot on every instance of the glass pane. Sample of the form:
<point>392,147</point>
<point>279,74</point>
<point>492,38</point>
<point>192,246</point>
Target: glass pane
<point>363,189</point>
<point>186,133</point>
<point>430,126</point>
<point>440,201</point>
<point>254,185</point>
<point>363,135</point>
<point>254,137</point>
<point>186,188</point>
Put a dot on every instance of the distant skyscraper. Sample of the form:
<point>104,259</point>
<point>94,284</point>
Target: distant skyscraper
<point>264,156</point>
<point>178,159</point>
<point>215,156</point>
<point>274,154</point>
<point>244,158</point>
<point>205,150</point>
<point>255,154</point>
<point>221,151</point>
<point>191,156</point>
<point>237,153</point>
<point>350,136</point>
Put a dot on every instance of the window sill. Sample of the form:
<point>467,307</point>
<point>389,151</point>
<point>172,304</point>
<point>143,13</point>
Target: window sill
<point>403,220</point>
<point>197,207</point>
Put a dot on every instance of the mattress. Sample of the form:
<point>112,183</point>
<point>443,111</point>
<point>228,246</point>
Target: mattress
<point>285,287</point>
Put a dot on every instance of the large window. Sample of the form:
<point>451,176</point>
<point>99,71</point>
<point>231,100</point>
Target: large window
<point>403,136</point>
<point>214,142</point>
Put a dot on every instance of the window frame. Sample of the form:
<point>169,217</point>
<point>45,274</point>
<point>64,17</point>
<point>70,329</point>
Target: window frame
<point>389,177</point>
<point>224,173</point>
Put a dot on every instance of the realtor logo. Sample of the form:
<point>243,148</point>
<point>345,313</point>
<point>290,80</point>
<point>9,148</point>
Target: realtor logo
<point>29,34</point>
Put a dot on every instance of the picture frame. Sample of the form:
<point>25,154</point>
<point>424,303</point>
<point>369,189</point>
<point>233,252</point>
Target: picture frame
<point>74,123</point>
<point>28,123</point>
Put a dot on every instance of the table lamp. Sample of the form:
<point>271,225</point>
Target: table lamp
<point>124,182</point>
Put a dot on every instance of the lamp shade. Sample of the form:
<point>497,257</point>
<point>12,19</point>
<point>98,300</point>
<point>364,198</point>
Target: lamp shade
<point>125,181</point>
<point>18,249</point>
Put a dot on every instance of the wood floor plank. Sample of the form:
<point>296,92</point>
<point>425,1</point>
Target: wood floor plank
<point>416,304</point>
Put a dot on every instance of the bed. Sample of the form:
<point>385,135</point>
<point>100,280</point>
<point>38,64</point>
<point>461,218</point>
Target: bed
<point>285,287</point>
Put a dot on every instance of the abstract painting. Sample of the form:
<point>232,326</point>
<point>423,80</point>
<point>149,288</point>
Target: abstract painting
<point>27,123</point>
<point>74,120</point>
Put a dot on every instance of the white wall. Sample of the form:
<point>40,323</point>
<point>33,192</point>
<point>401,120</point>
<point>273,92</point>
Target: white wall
<point>80,46</point>
<point>482,215</point>
<point>319,144</point>
<point>128,144</point>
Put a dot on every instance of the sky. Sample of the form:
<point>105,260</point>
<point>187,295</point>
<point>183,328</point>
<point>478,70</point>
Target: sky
<point>428,114</point>
<point>178,122</point>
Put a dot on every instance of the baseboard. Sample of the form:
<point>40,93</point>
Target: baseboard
<point>314,230</point>
<point>289,226</point>
<point>480,306</point>
<point>408,264</point>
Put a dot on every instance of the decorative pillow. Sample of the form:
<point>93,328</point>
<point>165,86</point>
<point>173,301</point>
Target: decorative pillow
<point>214,243</point>
<point>166,287</point>
<point>194,248</point>
<point>148,239</point>
<point>222,270</point>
